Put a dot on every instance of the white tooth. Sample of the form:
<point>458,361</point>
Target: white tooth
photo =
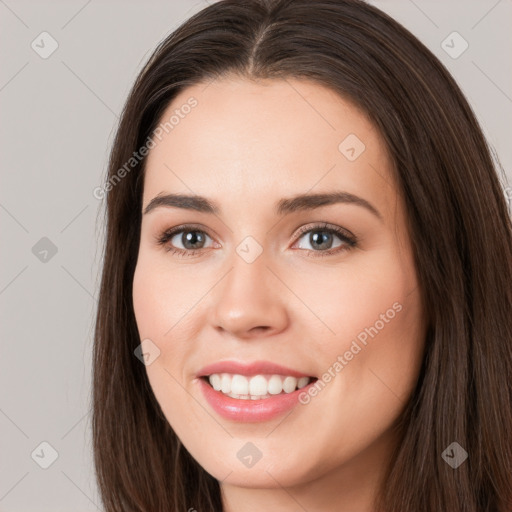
<point>258,385</point>
<point>303,381</point>
<point>240,385</point>
<point>289,384</point>
<point>225,383</point>
<point>275,385</point>
<point>215,381</point>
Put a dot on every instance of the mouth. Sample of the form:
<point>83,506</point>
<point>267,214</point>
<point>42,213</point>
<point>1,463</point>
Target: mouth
<point>252,392</point>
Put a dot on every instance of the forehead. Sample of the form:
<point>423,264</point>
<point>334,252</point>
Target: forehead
<point>266,138</point>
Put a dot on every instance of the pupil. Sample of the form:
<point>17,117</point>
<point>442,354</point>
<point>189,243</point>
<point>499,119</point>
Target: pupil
<point>315,238</point>
<point>192,238</point>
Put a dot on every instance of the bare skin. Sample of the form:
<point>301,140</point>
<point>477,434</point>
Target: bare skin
<point>245,146</point>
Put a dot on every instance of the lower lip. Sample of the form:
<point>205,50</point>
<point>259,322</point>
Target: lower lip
<point>250,410</point>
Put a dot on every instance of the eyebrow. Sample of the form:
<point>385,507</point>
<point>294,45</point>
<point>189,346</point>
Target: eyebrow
<point>285,206</point>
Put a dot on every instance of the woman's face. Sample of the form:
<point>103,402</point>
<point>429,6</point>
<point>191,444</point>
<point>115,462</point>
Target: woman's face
<point>261,295</point>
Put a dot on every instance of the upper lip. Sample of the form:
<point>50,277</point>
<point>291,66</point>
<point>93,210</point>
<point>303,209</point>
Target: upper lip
<point>248,369</point>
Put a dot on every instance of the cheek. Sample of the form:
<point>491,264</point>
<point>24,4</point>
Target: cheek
<point>160,299</point>
<point>373,319</point>
<point>156,307</point>
<point>143,298</point>
<point>163,306</point>
<point>351,299</point>
<point>372,361</point>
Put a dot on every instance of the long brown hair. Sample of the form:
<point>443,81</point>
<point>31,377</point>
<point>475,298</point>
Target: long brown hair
<point>459,226</point>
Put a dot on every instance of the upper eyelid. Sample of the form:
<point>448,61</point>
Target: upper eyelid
<point>326,226</point>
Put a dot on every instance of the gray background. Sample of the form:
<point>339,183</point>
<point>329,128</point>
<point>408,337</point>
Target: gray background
<point>58,121</point>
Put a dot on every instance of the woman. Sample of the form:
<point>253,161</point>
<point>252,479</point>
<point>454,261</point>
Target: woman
<point>306,292</point>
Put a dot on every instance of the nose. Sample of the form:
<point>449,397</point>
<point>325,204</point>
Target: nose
<point>250,301</point>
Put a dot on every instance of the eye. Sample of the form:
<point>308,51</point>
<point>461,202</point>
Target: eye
<point>321,237</point>
<point>191,239</point>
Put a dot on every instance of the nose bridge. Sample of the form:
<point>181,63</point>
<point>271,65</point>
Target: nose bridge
<point>248,269</point>
<point>247,298</point>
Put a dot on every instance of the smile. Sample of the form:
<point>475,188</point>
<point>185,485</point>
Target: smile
<point>252,392</point>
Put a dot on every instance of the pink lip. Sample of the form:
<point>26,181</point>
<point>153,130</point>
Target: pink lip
<point>253,368</point>
<point>250,411</point>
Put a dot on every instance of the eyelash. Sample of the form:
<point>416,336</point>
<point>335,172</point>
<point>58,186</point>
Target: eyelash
<point>349,241</point>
